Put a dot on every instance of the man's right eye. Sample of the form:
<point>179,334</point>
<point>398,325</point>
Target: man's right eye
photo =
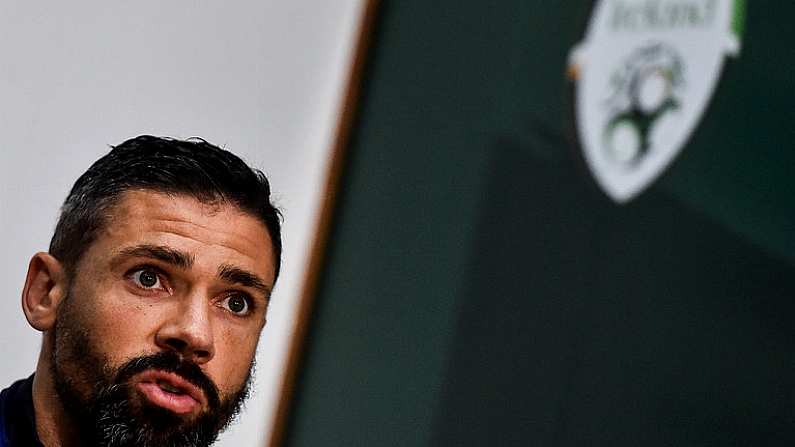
<point>146,279</point>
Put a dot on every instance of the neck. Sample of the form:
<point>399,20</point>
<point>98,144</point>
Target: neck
<point>53,425</point>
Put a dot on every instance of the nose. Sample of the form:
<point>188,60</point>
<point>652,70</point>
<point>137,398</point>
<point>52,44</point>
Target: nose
<point>188,331</point>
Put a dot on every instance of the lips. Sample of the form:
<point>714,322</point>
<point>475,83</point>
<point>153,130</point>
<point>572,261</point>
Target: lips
<point>170,391</point>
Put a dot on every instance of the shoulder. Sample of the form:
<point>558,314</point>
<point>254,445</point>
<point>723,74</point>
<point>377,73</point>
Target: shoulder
<point>3,402</point>
<point>14,400</point>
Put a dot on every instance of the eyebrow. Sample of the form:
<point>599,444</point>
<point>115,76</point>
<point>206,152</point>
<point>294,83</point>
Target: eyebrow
<point>165,254</point>
<point>236,275</point>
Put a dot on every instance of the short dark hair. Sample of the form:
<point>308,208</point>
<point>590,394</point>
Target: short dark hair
<point>190,167</point>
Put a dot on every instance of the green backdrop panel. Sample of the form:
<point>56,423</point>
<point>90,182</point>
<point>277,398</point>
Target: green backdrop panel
<point>481,290</point>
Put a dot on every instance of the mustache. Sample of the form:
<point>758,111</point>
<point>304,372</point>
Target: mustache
<point>172,362</point>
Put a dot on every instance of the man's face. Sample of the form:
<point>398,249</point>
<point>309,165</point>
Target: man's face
<point>163,315</point>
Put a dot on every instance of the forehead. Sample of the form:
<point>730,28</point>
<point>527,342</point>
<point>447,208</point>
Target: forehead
<point>216,233</point>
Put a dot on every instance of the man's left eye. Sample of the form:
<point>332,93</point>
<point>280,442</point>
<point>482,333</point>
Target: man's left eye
<point>146,279</point>
<point>237,304</point>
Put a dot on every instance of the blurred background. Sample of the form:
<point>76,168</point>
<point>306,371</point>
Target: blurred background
<point>472,282</point>
<point>481,288</point>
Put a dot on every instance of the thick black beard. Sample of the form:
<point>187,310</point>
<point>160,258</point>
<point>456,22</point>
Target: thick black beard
<point>111,417</point>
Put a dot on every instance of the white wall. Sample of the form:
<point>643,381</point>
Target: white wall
<point>262,78</point>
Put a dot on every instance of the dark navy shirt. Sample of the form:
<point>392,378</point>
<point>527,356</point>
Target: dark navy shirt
<point>17,418</point>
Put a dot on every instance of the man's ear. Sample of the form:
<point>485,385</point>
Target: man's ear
<point>45,287</point>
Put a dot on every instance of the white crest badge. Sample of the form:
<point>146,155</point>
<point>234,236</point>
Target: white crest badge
<point>644,75</point>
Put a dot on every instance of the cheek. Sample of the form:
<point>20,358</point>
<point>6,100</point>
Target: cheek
<point>230,366</point>
<point>119,325</point>
<point>122,330</point>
